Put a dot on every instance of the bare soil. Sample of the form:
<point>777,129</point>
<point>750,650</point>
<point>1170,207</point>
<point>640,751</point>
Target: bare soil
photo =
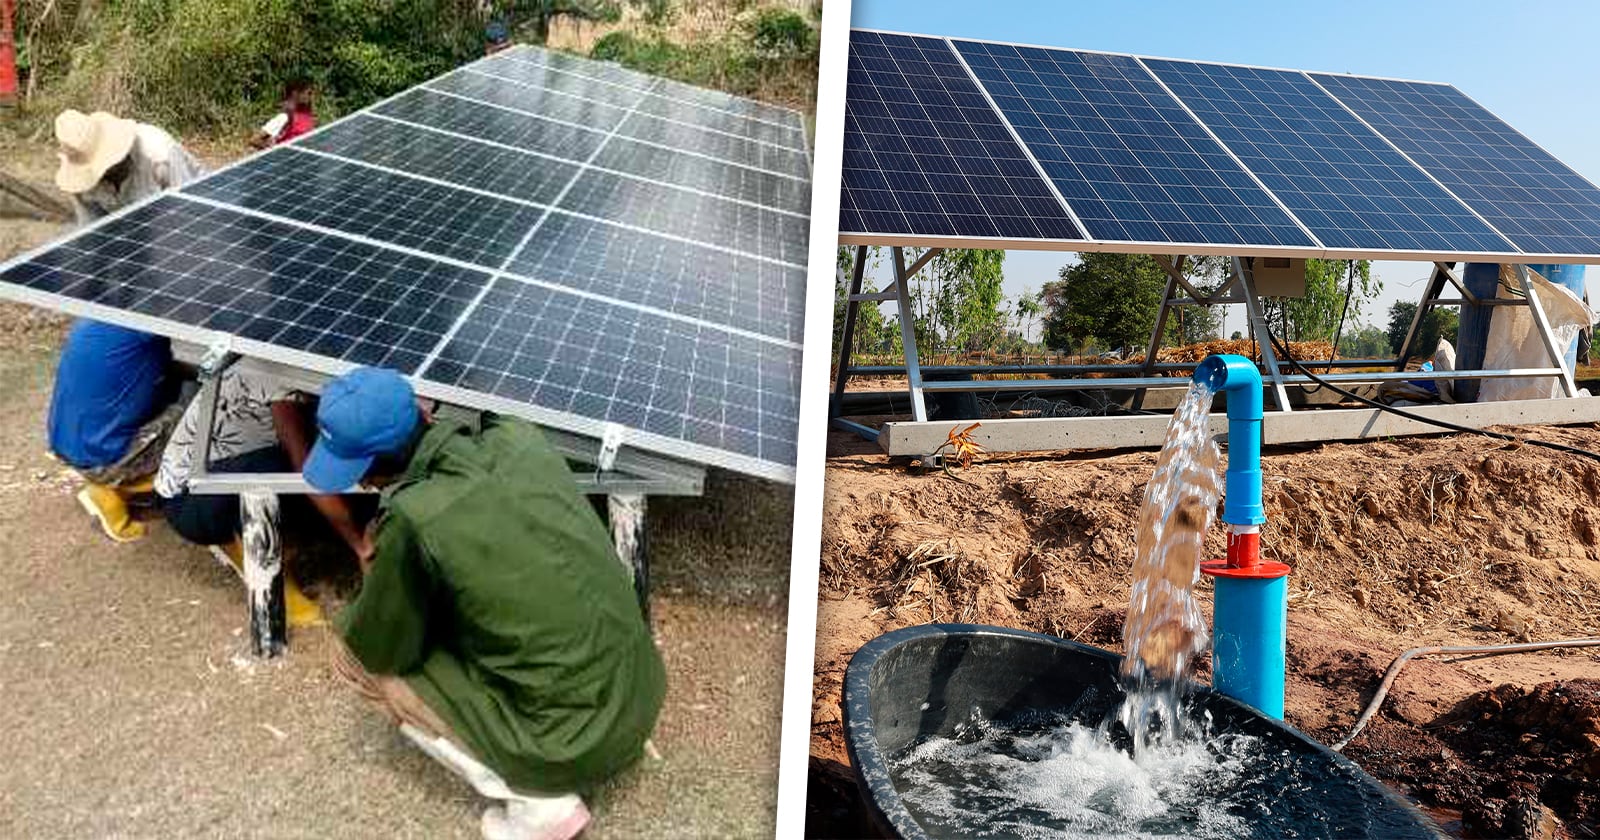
<point>1394,544</point>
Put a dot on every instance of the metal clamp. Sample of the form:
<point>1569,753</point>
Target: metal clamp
<point>218,356</point>
<point>610,443</point>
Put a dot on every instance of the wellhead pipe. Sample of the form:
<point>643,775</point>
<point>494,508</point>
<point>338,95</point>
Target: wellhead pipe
<point>1250,616</point>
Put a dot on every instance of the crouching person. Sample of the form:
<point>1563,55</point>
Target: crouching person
<point>111,412</point>
<point>494,618</point>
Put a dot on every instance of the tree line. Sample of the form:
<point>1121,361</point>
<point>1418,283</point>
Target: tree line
<point>1109,303</point>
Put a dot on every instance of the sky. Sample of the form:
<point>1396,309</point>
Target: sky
<point>1534,63</point>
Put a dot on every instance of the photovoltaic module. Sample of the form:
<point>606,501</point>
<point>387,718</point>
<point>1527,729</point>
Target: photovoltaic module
<point>969,143</point>
<point>534,233</point>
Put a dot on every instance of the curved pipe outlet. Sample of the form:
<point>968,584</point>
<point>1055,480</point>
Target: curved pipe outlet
<point>1238,377</point>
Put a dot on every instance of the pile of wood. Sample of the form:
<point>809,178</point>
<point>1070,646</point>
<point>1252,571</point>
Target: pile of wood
<point>1194,353</point>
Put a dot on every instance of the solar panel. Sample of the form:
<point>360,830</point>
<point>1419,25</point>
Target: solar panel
<point>1130,162</point>
<point>1148,155</point>
<point>576,243</point>
<point>1538,202</point>
<point>924,153</point>
<point>1347,184</point>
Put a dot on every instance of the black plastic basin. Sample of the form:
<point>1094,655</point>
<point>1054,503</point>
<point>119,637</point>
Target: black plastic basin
<point>911,685</point>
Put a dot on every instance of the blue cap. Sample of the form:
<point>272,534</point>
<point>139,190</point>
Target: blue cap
<point>365,413</point>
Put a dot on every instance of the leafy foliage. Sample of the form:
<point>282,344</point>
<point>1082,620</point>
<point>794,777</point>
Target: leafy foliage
<point>957,299</point>
<point>1316,316</point>
<point>1113,300</point>
<point>1367,342</point>
<point>771,55</point>
<point>782,33</point>
<point>1440,322</point>
<point>219,65</point>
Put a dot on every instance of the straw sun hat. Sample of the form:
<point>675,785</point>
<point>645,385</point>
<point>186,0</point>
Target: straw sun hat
<point>89,146</point>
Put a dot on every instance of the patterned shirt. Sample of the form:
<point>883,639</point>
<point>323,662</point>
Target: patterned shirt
<point>242,423</point>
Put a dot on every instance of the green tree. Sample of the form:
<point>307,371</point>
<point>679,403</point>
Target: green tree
<point>1366,342</point>
<point>1112,300</point>
<point>874,333</point>
<point>957,298</point>
<point>1440,322</point>
<point>1316,316</point>
<point>1026,309</point>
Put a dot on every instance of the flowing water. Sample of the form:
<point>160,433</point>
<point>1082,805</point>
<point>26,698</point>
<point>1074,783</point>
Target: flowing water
<point>1165,629</point>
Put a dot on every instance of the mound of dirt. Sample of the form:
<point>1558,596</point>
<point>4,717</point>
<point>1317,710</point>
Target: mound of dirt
<point>1447,540</point>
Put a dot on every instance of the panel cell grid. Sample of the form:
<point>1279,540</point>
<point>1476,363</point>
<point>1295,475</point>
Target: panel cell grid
<point>677,277</point>
<point>787,136</point>
<point>445,157</point>
<point>1347,184</point>
<point>1539,203</point>
<point>744,152</point>
<point>925,154</point>
<point>523,131</point>
<point>540,76</point>
<point>665,293</point>
<point>670,88</point>
<point>567,109</point>
<point>701,173</point>
<point>689,215</point>
<point>595,360</point>
<point>207,268</point>
<point>1132,165</point>
<point>391,208</point>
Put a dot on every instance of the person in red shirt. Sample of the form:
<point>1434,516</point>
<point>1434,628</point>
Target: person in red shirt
<point>296,118</point>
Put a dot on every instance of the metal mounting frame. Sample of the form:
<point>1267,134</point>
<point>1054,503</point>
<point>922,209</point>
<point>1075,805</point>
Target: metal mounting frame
<point>902,439</point>
<point>634,475</point>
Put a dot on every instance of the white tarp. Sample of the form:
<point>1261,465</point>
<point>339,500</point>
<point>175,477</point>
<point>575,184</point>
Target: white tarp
<point>1514,340</point>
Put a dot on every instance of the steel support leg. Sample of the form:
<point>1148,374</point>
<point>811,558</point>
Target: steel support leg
<point>847,339</point>
<point>908,332</point>
<point>1435,287</point>
<point>263,572</point>
<point>1257,318</point>
<point>1558,356</point>
<point>1155,337</point>
<point>626,511</point>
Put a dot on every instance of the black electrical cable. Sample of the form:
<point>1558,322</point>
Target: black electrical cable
<point>1443,424</point>
<point>1338,332</point>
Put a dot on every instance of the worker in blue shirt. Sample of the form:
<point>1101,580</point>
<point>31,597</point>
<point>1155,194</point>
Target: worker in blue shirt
<point>110,414</point>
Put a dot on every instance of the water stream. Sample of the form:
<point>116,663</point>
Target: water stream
<point>1165,629</point>
<point>1137,768</point>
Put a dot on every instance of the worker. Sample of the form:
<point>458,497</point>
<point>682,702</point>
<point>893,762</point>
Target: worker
<point>260,423</point>
<point>111,411</point>
<point>114,400</point>
<point>494,614</point>
<point>297,116</point>
<point>108,163</point>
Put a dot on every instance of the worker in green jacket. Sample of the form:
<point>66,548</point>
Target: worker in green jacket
<point>495,622</point>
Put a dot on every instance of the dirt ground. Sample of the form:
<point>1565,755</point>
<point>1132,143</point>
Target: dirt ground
<point>1394,544</point>
<point>134,710</point>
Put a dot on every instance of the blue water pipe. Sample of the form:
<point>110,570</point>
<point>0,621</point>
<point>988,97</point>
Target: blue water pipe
<point>1251,611</point>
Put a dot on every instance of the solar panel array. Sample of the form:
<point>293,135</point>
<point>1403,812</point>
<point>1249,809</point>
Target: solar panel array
<point>533,233</point>
<point>1120,152</point>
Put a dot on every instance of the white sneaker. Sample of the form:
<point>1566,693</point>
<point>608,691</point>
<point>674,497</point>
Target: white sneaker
<point>528,818</point>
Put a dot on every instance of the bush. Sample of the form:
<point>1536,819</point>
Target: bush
<point>219,65</point>
<point>781,33</point>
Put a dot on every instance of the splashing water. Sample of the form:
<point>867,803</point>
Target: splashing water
<point>1058,775</point>
<point>1165,629</point>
